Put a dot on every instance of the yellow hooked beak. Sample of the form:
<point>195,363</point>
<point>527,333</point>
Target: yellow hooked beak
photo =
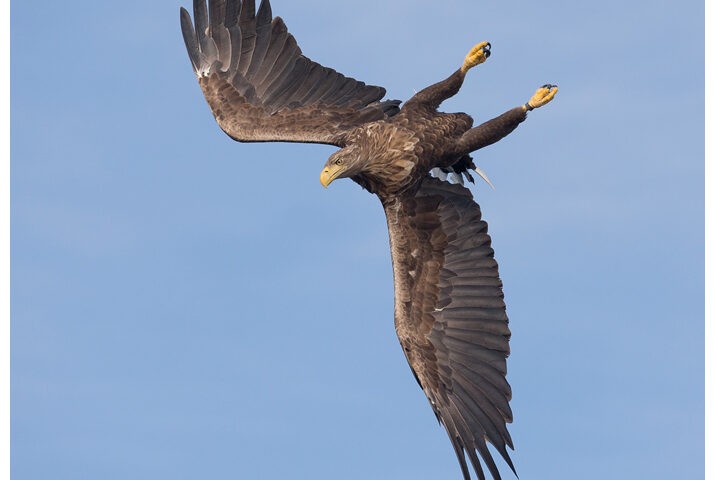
<point>330,173</point>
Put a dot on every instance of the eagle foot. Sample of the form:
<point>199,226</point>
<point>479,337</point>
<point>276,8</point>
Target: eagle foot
<point>478,54</point>
<point>542,96</point>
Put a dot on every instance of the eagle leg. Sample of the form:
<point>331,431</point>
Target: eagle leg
<point>490,132</point>
<point>497,128</point>
<point>432,96</point>
<point>478,54</point>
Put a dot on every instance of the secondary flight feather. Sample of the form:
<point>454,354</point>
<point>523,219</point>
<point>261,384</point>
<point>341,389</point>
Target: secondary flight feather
<point>450,315</point>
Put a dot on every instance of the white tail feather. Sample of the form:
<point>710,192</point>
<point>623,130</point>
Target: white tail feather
<point>481,173</point>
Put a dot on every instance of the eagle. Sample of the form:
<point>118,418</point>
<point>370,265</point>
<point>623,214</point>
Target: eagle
<point>450,315</point>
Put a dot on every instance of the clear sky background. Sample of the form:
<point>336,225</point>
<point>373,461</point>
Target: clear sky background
<point>185,307</point>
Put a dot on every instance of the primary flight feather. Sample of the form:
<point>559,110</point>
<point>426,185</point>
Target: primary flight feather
<point>450,315</point>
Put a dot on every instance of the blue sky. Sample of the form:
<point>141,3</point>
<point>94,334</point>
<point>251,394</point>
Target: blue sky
<point>185,307</point>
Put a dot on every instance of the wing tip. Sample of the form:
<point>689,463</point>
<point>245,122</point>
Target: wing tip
<point>391,107</point>
<point>264,11</point>
<point>190,39</point>
<point>507,459</point>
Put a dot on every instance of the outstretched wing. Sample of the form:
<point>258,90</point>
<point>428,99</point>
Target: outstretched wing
<point>450,316</point>
<point>261,88</point>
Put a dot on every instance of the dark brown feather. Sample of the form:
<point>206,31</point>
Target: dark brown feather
<point>275,98</point>
<point>264,19</point>
<point>190,39</point>
<point>282,69</point>
<point>217,10</point>
<point>259,85</point>
<point>450,314</point>
<point>454,333</point>
<point>247,25</point>
<point>327,82</point>
<point>279,35</point>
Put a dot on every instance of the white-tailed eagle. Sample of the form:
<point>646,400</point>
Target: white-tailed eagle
<point>450,314</point>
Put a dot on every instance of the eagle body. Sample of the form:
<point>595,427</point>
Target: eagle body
<point>399,152</point>
<point>450,316</point>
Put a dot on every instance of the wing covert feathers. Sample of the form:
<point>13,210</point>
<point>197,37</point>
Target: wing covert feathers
<point>451,318</point>
<point>259,85</point>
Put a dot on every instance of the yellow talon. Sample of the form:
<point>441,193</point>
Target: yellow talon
<point>542,96</point>
<point>478,54</point>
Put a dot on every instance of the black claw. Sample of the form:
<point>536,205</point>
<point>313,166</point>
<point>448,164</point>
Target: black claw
<point>487,50</point>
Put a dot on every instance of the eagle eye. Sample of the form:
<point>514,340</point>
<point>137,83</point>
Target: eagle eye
<point>339,161</point>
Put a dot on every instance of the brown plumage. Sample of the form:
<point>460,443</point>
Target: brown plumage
<point>450,314</point>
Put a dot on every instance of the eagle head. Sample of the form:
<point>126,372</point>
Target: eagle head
<point>342,164</point>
